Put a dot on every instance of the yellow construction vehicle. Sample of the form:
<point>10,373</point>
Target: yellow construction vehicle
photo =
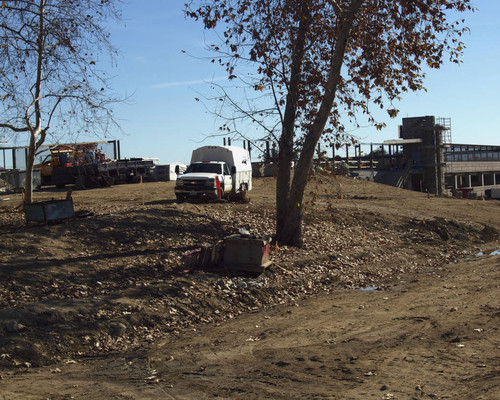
<point>59,156</point>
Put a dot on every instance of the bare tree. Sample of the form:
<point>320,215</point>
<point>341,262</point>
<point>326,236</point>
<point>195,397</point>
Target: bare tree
<point>49,76</point>
<point>321,59</point>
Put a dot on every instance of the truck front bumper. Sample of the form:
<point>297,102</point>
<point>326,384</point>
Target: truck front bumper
<point>209,193</point>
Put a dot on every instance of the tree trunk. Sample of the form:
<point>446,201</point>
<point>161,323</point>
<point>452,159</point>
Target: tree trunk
<point>283,213</point>
<point>289,229</point>
<point>37,136</point>
<point>291,232</point>
<point>30,160</point>
<point>283,184</point>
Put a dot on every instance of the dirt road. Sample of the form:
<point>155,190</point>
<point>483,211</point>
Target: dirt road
<point>103,307</point>
<point>434,336</point>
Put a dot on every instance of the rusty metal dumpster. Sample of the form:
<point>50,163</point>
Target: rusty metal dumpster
<point>246,253</point>
<point>49,211</point>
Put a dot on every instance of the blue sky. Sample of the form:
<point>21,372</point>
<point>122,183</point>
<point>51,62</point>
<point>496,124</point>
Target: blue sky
<point>162,118</point>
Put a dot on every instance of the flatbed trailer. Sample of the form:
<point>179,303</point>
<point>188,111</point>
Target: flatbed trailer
<point>86,164</point>
<point>105,174</point>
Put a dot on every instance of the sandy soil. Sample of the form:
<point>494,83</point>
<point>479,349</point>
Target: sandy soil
<point>388,299</point>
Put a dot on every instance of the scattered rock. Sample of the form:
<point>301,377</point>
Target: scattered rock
<point>242,285</point>
<point>118,328</point>
<point>14,326</point>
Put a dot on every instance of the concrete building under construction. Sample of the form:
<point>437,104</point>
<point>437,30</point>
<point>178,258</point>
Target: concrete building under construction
<point>427,160</point>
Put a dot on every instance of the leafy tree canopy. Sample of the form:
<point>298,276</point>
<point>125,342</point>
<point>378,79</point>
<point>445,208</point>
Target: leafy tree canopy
<point>390,44</point>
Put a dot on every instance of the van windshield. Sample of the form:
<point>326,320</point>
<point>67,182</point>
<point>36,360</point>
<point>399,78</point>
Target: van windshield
<point>210,168</point>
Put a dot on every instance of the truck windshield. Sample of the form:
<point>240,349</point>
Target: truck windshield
<point>210,168</point>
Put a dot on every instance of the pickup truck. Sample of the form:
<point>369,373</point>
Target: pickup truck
<point>230,166</point>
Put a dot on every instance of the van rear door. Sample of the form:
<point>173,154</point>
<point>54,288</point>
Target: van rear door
<point>228,179</point>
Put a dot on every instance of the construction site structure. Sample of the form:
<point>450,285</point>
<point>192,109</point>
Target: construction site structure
<point>425,159</point>
<point>86,165</point>
<point>424,146</point>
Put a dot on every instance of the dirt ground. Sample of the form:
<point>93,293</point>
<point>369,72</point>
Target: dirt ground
<point>395,295</point>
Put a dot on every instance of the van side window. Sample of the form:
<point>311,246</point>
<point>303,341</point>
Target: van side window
<point>226,170</point>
